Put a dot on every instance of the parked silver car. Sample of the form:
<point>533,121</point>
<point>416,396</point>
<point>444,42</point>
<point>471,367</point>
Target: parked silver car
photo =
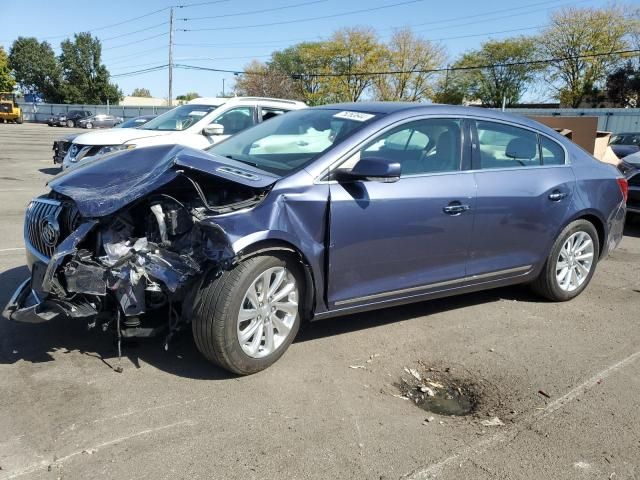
<point>101,120</point>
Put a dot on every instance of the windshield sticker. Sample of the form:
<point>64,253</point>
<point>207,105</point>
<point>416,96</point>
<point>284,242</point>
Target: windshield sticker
<point>198,113</point>
<point>356,116</point>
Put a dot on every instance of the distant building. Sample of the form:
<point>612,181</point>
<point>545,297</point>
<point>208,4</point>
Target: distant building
<point>129,101</point>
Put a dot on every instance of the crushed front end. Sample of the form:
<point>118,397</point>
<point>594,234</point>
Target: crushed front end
<point>135,269</point>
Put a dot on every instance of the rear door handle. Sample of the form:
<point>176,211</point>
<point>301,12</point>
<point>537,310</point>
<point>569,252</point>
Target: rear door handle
<point>557,195</point>
<point>455,208</point>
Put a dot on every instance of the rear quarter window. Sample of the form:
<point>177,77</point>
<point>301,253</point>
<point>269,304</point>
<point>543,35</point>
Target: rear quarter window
<point>552,153</point>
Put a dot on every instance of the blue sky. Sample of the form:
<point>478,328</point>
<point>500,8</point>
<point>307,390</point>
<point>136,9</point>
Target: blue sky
<point>231,36</point>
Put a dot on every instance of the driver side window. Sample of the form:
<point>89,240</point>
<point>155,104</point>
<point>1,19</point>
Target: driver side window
<point>422,146</point>
<point>235,120</point>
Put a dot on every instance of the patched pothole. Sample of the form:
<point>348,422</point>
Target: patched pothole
<point>440,391</point>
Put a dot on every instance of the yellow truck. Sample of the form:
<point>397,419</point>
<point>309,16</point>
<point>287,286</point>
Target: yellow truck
<point>9,109</point>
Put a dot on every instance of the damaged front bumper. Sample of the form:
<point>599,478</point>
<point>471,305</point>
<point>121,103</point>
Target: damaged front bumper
<point>34,301</point>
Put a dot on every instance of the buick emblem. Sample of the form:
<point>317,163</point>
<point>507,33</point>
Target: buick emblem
<point>73,151</point>
<point>49,231</point>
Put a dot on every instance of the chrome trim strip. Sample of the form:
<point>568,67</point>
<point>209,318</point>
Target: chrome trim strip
<point>484,276</point>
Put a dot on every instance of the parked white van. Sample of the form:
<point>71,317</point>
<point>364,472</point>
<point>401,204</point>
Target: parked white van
<point>197,124</point>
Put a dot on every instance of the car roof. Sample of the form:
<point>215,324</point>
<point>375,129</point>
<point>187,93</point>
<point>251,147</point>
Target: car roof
<point>430,109</point>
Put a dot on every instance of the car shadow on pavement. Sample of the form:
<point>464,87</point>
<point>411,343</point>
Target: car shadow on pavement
<point>50,170</point>
<point>413,311</point>
<point>43,342</point>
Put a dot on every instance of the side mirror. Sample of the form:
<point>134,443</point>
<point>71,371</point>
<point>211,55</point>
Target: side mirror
<point>213,129</point>
<point>371,168</point>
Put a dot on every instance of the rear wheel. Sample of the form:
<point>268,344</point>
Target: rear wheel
<point>571,262</point>
<point>89,125</point>
<point>70,123</point>
<point>248,317</point>
<point>20,119</point>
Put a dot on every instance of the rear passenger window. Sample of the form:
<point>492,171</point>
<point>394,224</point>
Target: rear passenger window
<point>552,153</point>
<point>505,146</point>
<point>421,146</point>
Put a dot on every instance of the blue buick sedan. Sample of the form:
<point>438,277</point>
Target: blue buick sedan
<point>314,214</point>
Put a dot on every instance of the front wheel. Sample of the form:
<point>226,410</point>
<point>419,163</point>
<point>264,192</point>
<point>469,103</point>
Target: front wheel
<point>70,123</point>
<point>89,125</point>
<point>247,317</point>
<point>571,262</point>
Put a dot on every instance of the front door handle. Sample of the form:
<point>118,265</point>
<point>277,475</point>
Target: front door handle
<point>455,208</point>
<point>557,195</point>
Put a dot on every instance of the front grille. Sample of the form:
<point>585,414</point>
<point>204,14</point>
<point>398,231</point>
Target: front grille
<point>48,222</point>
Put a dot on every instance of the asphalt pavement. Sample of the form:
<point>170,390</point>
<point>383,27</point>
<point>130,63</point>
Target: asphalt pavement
<point>563,379</point>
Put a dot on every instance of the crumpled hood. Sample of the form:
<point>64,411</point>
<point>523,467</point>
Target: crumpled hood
<point>103,187</point>
<point>118,136</point>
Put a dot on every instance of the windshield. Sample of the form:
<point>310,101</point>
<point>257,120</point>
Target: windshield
<point>132,123</point>
<point>179,118</point>
<point>290,141</point>
<point>625,139</point>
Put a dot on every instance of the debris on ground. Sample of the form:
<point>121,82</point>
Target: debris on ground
<point>492,422</point>
<point>428,420</point>
<point>437,391</point>
<point>355,367</point>
<point>544,394</point>
<point>371,357</point>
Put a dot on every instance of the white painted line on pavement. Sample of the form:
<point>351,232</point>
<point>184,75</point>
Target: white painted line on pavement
<point>44,464</point>
<point>11,249</point>
<point>433,470</point>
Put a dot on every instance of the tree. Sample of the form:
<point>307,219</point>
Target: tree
<point>504,77</point>
<point>188,96</point>
<point>623,86</point>
<point>263,80</point>
<point>355,52</point>
<point>141,92</point>
<point>404,53</point>
<point>580,32</point>
<point>303,63</point>
<point>35,68</point>
<point>86,79</point>
<point>6,80</point>
<point>451,88</point>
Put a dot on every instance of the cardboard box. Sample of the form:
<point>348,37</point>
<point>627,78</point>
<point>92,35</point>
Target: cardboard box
<point>584,132</point>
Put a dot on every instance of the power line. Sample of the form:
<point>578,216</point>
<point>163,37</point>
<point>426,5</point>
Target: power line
<point>252,12</point>
<point>139,72</point>
<point>198,4</point>
<point>301,20</point>
<point>134,32</point>
<point>431,70</point>
<point>450,19</point>
<point>137,41</point>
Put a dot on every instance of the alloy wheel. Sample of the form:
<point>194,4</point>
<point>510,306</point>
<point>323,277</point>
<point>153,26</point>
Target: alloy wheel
<point>575,261</point>
<point>268,312</point>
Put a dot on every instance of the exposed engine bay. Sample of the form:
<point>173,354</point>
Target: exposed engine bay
<point>136,270</point>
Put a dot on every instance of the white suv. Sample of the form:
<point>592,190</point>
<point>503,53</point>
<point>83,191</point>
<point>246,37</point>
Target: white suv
<point>198,124</point>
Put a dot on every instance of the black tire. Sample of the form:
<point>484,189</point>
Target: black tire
<point>70,123</point>
<point>547,283</point>
<point>19,120</point>
<point>215,320</point>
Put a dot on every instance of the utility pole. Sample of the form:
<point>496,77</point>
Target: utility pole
<point>171,57</point>
<point>223,87</point>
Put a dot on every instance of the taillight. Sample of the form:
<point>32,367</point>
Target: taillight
<point>624,187</point>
